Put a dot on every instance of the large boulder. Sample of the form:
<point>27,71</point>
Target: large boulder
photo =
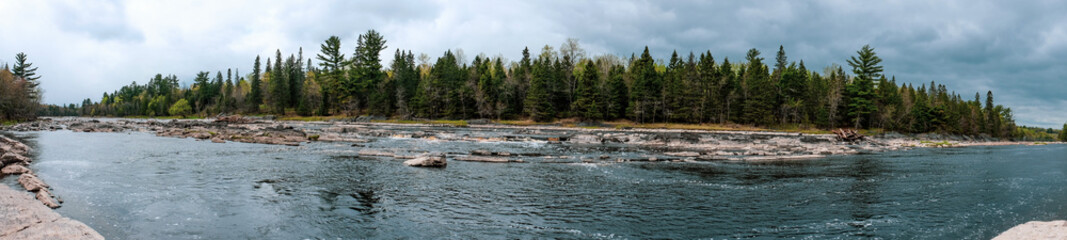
<point>14,169</point>
<point>23,218</point>
<point>32,183</point>
<point>13,158</point>
<point>427,161</point>
<point>45,197</point>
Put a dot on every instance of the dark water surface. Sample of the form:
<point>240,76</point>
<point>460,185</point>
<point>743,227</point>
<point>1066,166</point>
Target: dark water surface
<point>138,186</point>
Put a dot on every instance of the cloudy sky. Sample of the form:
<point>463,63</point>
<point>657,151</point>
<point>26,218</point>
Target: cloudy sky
<point>1015,49</point>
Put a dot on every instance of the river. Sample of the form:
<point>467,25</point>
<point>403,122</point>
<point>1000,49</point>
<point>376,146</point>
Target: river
<point>139,186</point>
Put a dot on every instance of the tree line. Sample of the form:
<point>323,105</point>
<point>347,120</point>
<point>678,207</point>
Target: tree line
<point>551,84</point>
<point>20,95</point>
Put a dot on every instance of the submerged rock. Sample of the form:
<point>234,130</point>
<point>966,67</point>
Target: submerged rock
<point>482,159</point>
<point>427,161</point>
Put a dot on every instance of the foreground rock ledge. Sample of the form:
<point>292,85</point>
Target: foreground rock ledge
<point>22,217</point>
<point>1036,230</point>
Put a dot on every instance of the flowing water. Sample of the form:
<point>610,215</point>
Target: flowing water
<point>138,186</point>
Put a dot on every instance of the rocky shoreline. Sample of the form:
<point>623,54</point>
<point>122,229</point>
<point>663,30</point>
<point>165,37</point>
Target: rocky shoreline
<point>667,145</point>
<point>1036,230</point>
<point>21,217</point>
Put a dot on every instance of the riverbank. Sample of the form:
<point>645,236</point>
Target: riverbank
<point>22,217</point>
<point>665,144</point>
<point>1036,230</point>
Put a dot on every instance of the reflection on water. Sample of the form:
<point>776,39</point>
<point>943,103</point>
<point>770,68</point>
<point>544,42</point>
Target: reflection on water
<point>138,186</point>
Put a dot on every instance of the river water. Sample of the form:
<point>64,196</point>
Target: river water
<point>139,186</point>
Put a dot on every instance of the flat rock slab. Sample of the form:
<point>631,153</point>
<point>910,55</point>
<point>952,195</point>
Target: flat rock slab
<point>1036,230</point>
<point>22,217</point>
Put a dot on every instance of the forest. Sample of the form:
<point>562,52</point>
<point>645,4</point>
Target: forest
<point>693,88</point>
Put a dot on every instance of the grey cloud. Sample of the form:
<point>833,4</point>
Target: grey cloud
<point>1011,48</point>
<point>103,20</point>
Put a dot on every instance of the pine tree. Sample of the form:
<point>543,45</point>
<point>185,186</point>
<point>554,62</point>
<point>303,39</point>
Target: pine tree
<point>25,70</point>
<point>332,61</point>
<point>366,72</point>
<point>861,90</point>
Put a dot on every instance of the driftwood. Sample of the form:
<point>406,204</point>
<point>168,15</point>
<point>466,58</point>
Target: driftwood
<point>850,135</point>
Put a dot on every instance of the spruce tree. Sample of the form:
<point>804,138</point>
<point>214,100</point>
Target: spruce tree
<point>618,96</point>
<point>647,88</point>
<point>760,91</point>
<point>587,103</point>
<point>255,95</point>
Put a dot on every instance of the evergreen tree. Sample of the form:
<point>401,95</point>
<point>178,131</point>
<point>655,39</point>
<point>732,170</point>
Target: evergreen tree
<point>332,61</point>
<point>256,95</point>
<point>587,103</point>
<point>992,116</point>
<point>861,89</point>
<point>618,96</point>
<point>1063,133</point>
<point>538,100</point>
<point>366,73</point>
<point>279,86</point>
<point>646,90</point>
<point>760,91</point>
<point>26,71</point>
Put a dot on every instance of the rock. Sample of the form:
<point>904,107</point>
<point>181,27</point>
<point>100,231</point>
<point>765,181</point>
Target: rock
<point>503,154</point>
<point>23,218</point>
<point>368,152</point>
<point>482,159</point>
<point>14,169</point>
<point>46,198</point>
<point>217,140</point>
<point>200,135</point>
<point>12,158</point>
<point>32,183</point>
<point>427,161</point>
<point>1036,230</point>
<point>682,154</point>
<point>14,146</point>
<point>481,152</point>
<point>604,156</point>
<point>235,119</point>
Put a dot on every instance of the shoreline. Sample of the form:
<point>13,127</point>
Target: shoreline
<point>23,217</point>
<point>676,145</point>
<point>1036,230</point>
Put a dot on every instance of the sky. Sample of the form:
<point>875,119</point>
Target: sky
<point>1014,48</point>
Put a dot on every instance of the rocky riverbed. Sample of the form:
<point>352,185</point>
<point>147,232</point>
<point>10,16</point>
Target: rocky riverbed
<point>667,145</point>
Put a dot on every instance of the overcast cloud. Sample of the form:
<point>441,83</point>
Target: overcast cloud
<point>1016,49</point>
